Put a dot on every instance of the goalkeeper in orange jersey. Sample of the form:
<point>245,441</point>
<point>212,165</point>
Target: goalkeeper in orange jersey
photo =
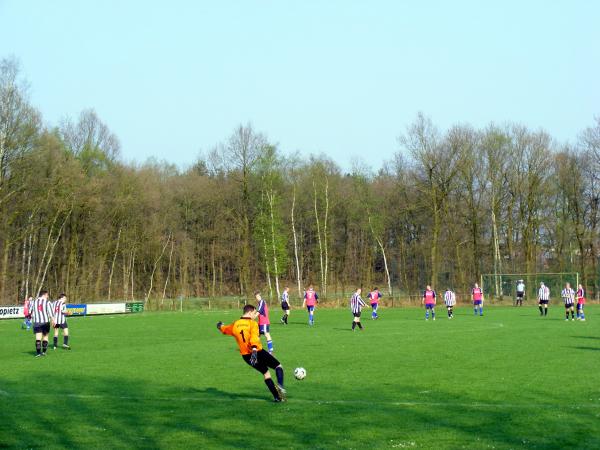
<point>245,332</point>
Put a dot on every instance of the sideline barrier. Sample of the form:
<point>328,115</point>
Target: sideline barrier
<point>11,312</point>
<point>80,309</point>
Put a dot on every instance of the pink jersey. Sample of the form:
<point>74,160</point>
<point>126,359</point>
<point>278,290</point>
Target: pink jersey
<point>429,297</point>
<point>26,308</point>
<point>374,296</point>
<point>477,293</point>
<point>263,317</point>
<point>580,297</point>
<point>310,297</point>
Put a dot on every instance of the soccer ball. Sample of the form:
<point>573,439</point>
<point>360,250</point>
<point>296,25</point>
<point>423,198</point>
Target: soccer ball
<point>300,373</point>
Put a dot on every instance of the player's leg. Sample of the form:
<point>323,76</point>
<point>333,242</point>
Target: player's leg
<point>546,308</point>
<point>311,315</point>
<point>433,313</point>
<point>270,361</point>
<point>269,339</point>
<point>541,308</point>
<point>66,337</point>
<point>426,312</point>
<point>45,334</point>
<point>481,307</point>
<point>55,339</point>
<point>572,312</point>
<point>38,340</point>
<point>566,312</point>
<point>475,308</point>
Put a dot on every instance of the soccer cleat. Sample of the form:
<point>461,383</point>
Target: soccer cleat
<point>281,391</point>
<point>67,347</point>
<point>54,347</point>
<point>583,320</point>
<point>434,318</point>
<point>572,318</point>
<point>43,353</point>
<point>38,355</point>
<point>277,400</point>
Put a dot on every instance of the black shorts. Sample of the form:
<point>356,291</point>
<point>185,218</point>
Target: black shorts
<point>356,314</point>
<point>544,302</point>
<point>285,306</point>
<point>569,305</point>
<point>61,325</point>
<point>520,294</point>
<point>43,328</point>
<point>265,361</point>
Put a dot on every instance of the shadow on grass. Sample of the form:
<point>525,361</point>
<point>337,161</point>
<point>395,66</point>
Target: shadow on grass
<point>587,348</point>
<point>114,412</point>
<point>597,338</point>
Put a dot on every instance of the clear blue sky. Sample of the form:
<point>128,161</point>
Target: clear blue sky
<point>345,78</point>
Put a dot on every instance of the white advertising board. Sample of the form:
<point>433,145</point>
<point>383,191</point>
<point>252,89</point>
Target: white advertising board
<point>11,312</point>
<point>105,308</point>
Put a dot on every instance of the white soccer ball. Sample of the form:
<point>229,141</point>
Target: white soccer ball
<point>300,373</point>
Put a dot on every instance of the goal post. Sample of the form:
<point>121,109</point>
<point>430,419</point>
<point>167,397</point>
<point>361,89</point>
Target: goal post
<point>502,287</point>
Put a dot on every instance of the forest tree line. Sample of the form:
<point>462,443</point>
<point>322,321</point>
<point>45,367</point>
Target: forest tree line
<point>449,206</point>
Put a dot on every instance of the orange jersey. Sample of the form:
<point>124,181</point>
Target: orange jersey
<point>245,332</point>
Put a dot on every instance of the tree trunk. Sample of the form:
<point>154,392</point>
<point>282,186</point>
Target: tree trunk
<point>112,265</point>
<point>298,276</point>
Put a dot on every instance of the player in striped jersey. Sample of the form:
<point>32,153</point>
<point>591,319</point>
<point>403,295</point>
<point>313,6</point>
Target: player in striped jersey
<point>543,299</point>
<point>450,301</point>
<point>477,295</point>
<point>356,304</point>
<point>310,301</point>
<point>264,324</point>
<point>285,305</point>
<point>580,302</point>
<point>59,321</point>
<point>429,302</point>
<point>374,297</point>
<point>568,296</point>
<point>41,314</point>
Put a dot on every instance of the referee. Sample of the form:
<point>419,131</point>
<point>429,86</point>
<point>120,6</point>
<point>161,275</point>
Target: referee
<point>41,313</point>
<point>543,299</point>
<point>356,304</point>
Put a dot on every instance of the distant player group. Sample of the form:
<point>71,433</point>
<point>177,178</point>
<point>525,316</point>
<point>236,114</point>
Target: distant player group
<point>42,314</point>
<point>247,332</point>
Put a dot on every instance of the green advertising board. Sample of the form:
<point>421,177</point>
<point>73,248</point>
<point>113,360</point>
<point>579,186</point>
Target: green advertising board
<point>134,307</point>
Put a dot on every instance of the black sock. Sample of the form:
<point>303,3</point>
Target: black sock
<point>44,346</point>
<point>359,325</point>
<point>285,319</point>
<point>572,314</point>
<point>272,388</point>
<point>55,341</point>
<point>541,310</point>
<point>38,347</point>
<point>545,311</point>
<point>66,340</point>
<point>353,325</point>
<point>279,373</point>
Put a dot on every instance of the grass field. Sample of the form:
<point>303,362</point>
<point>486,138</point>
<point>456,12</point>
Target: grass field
<point>510,379</point>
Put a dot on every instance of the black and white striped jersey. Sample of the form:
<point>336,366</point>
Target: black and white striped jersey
<point>41,310</point>
<point>59,312</point>
<point>568,296</point>
<point>544,293</point>
<point>285,297</point>
<point>356,303</point>
<point>449,298</point>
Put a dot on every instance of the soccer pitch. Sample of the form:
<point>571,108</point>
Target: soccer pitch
<point>510,379</point>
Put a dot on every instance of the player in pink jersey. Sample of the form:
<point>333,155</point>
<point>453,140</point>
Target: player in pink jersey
<point>580,302</point>
<point>310,301</point>
<point>477,294</point>
<point>429,302</point>
<point>374,297</point>
<point>27,313</point>
<point>264,324</point>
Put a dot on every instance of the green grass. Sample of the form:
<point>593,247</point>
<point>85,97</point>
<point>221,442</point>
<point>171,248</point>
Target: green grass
<point>509,379</point>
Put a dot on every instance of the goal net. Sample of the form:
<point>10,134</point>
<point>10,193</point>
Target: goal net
<point>503,286</point>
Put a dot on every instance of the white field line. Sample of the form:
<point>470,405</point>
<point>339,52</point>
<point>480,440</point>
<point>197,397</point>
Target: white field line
<point>474,405</point>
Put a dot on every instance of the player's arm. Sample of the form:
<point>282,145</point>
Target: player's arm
<point>225,329</point>
<point>316,298</point>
